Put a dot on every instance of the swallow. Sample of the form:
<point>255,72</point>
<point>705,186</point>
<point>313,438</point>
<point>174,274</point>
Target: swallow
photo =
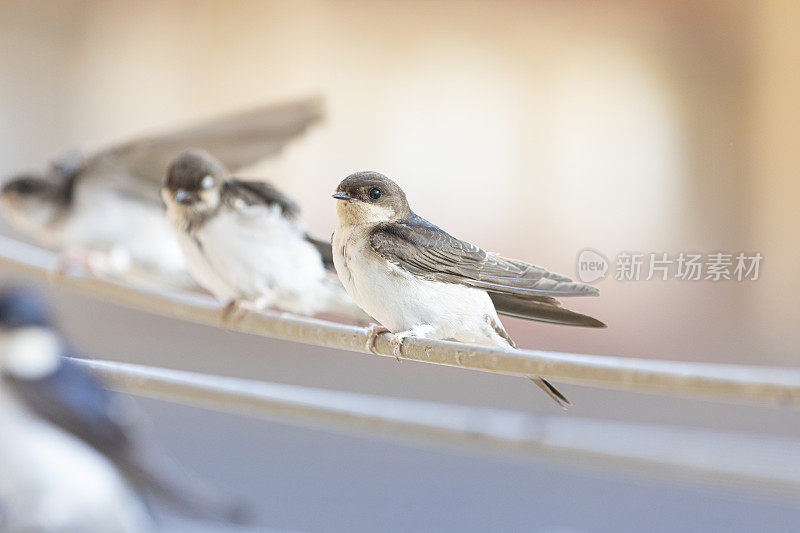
<point>104,211</point>
<point>74,455</point>
<point>245,242</point>
<point>419,281</point>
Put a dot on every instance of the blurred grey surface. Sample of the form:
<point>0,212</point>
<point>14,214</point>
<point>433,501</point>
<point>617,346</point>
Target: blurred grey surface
<point>308,480</point>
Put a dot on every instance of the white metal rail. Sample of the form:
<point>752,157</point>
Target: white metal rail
<point>736,383</point>
<point>712,457</point>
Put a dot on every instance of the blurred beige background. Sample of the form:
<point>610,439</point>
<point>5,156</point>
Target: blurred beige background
<point>534,129</point>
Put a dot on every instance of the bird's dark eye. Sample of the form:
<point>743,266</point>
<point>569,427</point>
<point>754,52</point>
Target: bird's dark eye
<point>374,193</point>
<point>24,187</point>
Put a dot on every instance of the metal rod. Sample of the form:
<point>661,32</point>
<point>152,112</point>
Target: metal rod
<point>727,458</point>
<point>734,383</point>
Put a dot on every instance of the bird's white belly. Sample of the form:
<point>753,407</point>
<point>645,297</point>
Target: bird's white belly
<point>202,271</point>
<point>403,302</point>
<point>103,220</point>
<point>54,482</point>
<point>250,256</point>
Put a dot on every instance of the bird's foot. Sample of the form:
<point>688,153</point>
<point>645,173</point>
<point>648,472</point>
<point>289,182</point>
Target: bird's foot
<point>231,313</point>
<point>373,330</point>
<point>113,263</point>
<point>68,260</point>
<point>259,305</point>
<point>397,343</point>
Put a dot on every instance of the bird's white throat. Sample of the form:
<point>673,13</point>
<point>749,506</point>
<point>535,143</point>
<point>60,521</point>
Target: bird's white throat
<point>29,353</point>
<point>354,212</point>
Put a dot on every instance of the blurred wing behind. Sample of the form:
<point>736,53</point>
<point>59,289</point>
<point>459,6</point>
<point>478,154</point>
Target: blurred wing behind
<point>237,140</point>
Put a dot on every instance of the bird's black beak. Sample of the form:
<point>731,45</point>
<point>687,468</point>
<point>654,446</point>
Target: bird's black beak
<point>184,197</point>
<point>343,196</point>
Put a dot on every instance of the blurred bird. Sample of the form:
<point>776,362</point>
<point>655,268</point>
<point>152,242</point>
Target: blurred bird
<point>104,211</point>
<point>72,454</point>
<point>419,281</point>
<point>244,241</point>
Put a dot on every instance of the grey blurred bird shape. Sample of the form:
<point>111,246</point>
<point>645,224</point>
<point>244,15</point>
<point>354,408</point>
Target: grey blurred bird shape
<point>104,211</point>
<point>73,455</point>
<point>244,241</point>
<point>419,281</point>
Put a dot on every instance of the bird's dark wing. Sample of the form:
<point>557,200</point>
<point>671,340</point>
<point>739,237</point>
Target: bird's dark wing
<point>517,288</point>
<point>325,250</point>
<point>542,309</point>
<point>72,399</point>
<point>76,402</point>
<point>260,193</point>
<point>237,140</point>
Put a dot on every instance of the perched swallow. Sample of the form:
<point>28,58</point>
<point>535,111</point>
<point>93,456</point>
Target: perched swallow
<point>245,243</point>
<point>105,212</point>
<point>418,280</point>
<point>72,454</point>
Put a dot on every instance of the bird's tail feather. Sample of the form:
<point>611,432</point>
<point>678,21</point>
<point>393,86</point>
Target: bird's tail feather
<point>156,474</point>
<point>551,391</point>
<point>542,309</point>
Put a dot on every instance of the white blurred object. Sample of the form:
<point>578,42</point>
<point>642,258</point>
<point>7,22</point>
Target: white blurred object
<point>53,482</point>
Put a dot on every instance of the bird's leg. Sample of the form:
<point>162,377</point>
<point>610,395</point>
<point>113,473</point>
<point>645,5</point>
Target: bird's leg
<point>68,259</point>
<point>114,263</point>
<point>397,343</point>
<point>398,338</point>
<point>373,330</point>
<point>258,305</point>
<point>231,312</point>
<point>117,261</point>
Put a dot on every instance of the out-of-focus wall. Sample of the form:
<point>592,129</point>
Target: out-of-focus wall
<point>534,129</point>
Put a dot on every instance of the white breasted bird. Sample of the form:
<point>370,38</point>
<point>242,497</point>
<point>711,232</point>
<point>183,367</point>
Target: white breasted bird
<point>418,280</point>
<point>244,242</point>
<point>104,211</point>
<point>73,455</point>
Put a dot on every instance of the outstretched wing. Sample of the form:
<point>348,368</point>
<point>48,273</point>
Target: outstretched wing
<point>237,140</point>
<point>517,288</point>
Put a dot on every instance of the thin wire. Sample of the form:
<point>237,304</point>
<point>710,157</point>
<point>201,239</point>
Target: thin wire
<point>732,383</point>
<point>677,453</point>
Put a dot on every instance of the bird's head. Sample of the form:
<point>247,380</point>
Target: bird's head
<point>370,198</point>
<point>194,181</point>
<point>29,347</point>
<point>29,201</point>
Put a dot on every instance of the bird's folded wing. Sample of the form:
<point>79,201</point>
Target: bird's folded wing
<point>431,253</point>
<point>325,250</point>
<point>238,140</point>
<point>255,193</point>
<point>516,288</point>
